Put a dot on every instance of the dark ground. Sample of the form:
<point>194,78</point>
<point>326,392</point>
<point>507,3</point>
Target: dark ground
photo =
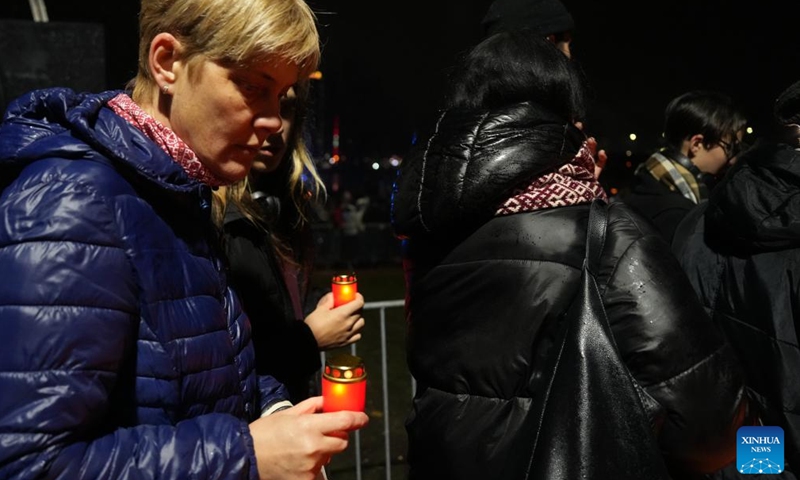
<point>378,284</point>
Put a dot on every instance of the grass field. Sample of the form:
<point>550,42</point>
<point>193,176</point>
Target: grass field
<point>378,284</point>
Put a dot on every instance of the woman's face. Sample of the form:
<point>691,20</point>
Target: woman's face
<point>274,148</point>
<point>226,114</point>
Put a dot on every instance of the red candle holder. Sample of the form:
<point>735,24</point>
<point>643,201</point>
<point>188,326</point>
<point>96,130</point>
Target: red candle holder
<point>344,384</point>
<point>344,288</point>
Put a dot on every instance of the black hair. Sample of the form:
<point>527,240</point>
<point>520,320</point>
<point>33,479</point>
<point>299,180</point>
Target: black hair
<point>709,113</point>
<point>518,66</point>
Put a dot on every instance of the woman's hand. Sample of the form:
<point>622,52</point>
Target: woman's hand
<point>600,157</point>
<point>297,442</point>
<point>336,327</point>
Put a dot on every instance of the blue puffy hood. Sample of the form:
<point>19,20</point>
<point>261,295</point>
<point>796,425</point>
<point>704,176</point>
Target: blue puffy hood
<point>62,123</point>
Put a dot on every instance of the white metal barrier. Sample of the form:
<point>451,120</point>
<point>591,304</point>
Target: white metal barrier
<point>382,306</point>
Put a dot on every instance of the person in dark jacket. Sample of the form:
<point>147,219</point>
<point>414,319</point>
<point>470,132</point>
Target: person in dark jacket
<point>124,353</point>
<point>703,131</point>
<point>741,251</point>
<point>548,18</point>
<point>270,250</point>
<point>492,209</point>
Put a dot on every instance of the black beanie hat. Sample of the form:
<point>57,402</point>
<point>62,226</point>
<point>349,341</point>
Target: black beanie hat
<point>540,16</point>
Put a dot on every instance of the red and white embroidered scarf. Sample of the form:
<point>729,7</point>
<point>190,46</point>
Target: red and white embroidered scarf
<point>571,184</point>
<point>125,107</point>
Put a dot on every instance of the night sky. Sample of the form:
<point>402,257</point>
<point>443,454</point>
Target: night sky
<point>383,61</point>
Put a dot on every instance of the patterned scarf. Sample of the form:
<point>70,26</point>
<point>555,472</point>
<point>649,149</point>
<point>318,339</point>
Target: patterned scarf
<point>165,138</point>
<point>676,177</point>
<point>571,184</point>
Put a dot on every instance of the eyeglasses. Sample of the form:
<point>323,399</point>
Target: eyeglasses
<point>731,148</point>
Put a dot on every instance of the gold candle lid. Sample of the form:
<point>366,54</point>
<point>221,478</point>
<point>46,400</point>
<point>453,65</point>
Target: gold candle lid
<point>344,368</point>
<point>344,279</point>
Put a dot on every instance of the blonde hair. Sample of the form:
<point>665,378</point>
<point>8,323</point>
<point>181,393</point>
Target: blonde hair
<point>301,159</point>
<point>231,32</point>
<point>302,193</point>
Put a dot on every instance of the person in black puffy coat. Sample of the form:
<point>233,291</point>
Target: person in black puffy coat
<point>741,252</point>
<point>492,209</point>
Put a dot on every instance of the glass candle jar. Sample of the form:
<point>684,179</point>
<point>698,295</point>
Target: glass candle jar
<point>344,288</point>
<point>344,383</point>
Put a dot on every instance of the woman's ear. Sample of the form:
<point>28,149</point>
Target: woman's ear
<point>164,50</point>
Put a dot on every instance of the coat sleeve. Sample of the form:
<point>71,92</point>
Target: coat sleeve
<point>69,313</point>
<point>274,396</point>
<point>673,349</point>
<point>254,273</point>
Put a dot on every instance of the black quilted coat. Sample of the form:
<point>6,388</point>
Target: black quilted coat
<point>482,292</point>
<point>743,257</point>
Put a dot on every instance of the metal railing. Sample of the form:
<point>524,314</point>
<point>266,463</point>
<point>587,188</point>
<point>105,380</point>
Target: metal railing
<point>381,306</point>
<point>39,11</point>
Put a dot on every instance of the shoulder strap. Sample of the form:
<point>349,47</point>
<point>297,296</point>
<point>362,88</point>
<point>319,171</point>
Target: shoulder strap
<point>596,234</point>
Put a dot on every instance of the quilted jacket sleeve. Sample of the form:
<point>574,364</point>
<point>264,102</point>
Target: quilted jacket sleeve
<point>274,395</point>
<point>254,273</point>
<point>69,311</point>
<point>672,348</point>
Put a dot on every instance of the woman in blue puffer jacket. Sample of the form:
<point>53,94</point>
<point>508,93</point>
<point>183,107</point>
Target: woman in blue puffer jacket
<point>124,354</point>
